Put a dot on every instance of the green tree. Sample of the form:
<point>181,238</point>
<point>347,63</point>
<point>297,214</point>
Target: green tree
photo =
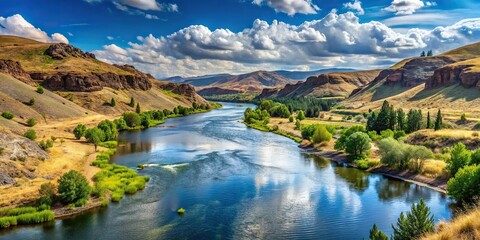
<point>372,121</point>
<point>383,118</point>
<point>341,142</point>
<point>438,121</point>
<point>31,122</point>
<point>429,53</point>
<point>121,124</point>
<point>463,118</point>
<point>73,186</point>
<point>47,193</point>
<point>109,128</point>
<point>357,145</point>
<point>429,121</point>
<point>321,134</point>
<point>401,119</point>
<point>146,120</point>
<point>30,134</point>
<point>40,89</point>
<point>475,160</point>
<point>138,109</point>
<point>300,115</point>
<point>459,157</point>
<point>422,54</point>
<point>79,131</point>
<point>291,119</point>
<point>132,119</point>
<point>464,187</point>
<point>113,103</point>
<point>31,102</point>
<point>418,155</point>
<point>132,102</point>
<point>298,125</point>
<point>417,222</point>
<point>95,135</point>
<point>377,234</point>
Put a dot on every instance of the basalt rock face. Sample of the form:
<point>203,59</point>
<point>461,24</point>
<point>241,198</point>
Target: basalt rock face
<point>91,82</point>
<point>14,69</point>
<point>60,51</point>
<point>416,71</point>
<point>454,74</point>
<point>186,90</point>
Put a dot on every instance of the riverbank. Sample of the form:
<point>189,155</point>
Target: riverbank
<point>327,151</point>
<point>66,154</point>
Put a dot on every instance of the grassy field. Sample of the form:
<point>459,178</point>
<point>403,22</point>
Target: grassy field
<point>464,227</point>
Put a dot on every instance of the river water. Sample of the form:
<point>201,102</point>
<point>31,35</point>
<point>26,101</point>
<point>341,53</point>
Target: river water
<point>238,183</point>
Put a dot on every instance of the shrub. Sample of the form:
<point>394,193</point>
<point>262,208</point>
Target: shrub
<point>40,89</point>
<point>113,103</point>
<point>132,119</point>
<point>109,144</point>
<point>459,158</point>
<point>130,189</point>
<point>386,134</point>
<point>31,122</point>
<point>7,115</point>
<point>109,129</point>
<point>464,186</point>
<point>357,145</point>
<point>121,124</point>
<point>377,234</point>
<point>300,115</point>
<point>475,159</point>
<point>81,202</point>
<point>79,131</point>
<point>401,155</point>
<point>373,135</point>
<point>475,134</point>
<point>98,190</point>
<point>95,136</point>
<point>291,119</point>
<point>298,125</point>
<point>37,217</point>
<point>30,134</point>
<point>45,145</point>
<point>463,117</point>
<point>73,186</point>
<point>138,109</point>
<point>17,211</point>
<point>321,135</point>
<point>117,196</point>
<point>362,164</point>
<point>146,121</point>
<point>6,222</point>
<point>399,134</point>
<point>47,193</point>
<point>340,144</point>
<point>132,102</point>
<point>31,102</point>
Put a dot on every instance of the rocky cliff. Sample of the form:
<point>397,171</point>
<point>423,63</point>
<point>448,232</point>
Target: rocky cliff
<point>455,73</point>
<point>14,69</point>
<point>60,51</point>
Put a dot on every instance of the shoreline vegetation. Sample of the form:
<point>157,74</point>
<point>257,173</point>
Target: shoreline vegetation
<point>381,143</point>
<point>110,182</point>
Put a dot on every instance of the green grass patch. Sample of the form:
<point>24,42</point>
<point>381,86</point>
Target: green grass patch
<point>25,215</point>
<point>109,144</point>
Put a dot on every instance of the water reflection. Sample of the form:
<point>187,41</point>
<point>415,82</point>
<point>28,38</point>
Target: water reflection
<point>238,183</point>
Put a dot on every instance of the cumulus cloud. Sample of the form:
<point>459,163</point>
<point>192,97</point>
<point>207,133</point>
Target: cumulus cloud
<point>16,25</point>
<point>355,6</point>
<point>407,7</point>
<point>290,7</point>
<point>335,40</point>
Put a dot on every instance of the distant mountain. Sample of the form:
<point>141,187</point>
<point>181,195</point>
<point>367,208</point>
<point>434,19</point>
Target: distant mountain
<point>249,83</point>
<point>335,84</point>
<point>303,75</point>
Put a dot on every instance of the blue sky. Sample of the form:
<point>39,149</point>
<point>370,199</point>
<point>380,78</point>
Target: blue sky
<point>169,38</point>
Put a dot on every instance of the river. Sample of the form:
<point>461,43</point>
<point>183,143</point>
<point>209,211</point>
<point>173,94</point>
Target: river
<point>238,183</point>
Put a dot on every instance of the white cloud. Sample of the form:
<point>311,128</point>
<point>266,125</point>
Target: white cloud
<point>355,6</point>
<point>406,7</point>
<point>16,25</point>
<point>290,7</point>
<point>110,38</point>
<point>335,40</point>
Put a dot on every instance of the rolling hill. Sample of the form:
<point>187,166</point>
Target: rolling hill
<point>77,83</point>
<point>250,83</point>
<point>450,81</point>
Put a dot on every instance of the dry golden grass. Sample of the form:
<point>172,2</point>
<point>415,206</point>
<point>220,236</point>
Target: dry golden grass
<point>463,227</point>
<point>434,168</point>
<point>474,63</point>
<point>458,133</point>
<point>31,56</point>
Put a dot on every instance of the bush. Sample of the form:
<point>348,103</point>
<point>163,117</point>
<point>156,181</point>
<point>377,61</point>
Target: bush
<point>40,89</point>
<point>475,159</point>
<point>109,129</point>
<point>130,189</point>
<point>401,155</point>
<point>31,102</point>
<point>291,119</point>
<point>7,115</point>
<point>113,103</point>
<point>121,124</point>
<point>6,222</point>
<point>47,193</point>
<point>95,136</point>
<point>79,131</point>
<point>386,134</point>
<point>362,164</point>
<point>459,158</point>
<point>321,135</point>
<point>73,186</point>
<point>81,202</point>
<point>132,119</point>
<point>109,144</point>
<point>357,145</point>
<point>30,134</point>
<point>31,122</point>
<point>45,145</point>
<point>300,115</point>
<point>464,187</point>
<point>340,144</point>
<point>38,217</point>
<point>399,134</point>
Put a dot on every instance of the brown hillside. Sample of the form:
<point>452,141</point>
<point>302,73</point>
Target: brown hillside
<point>324,85</point>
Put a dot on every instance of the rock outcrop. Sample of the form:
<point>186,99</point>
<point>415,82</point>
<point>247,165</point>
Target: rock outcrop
<point>416,71</point>
<point>186,90</point>
<point>90,82</point>
<point>14,69</point>
<point>60,51</point>
<point>216,91</point>
<point>454,74</point>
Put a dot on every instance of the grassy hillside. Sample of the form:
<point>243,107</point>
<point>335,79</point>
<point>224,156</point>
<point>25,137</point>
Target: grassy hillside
<point>31,56</point>
<point>466,226</point>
